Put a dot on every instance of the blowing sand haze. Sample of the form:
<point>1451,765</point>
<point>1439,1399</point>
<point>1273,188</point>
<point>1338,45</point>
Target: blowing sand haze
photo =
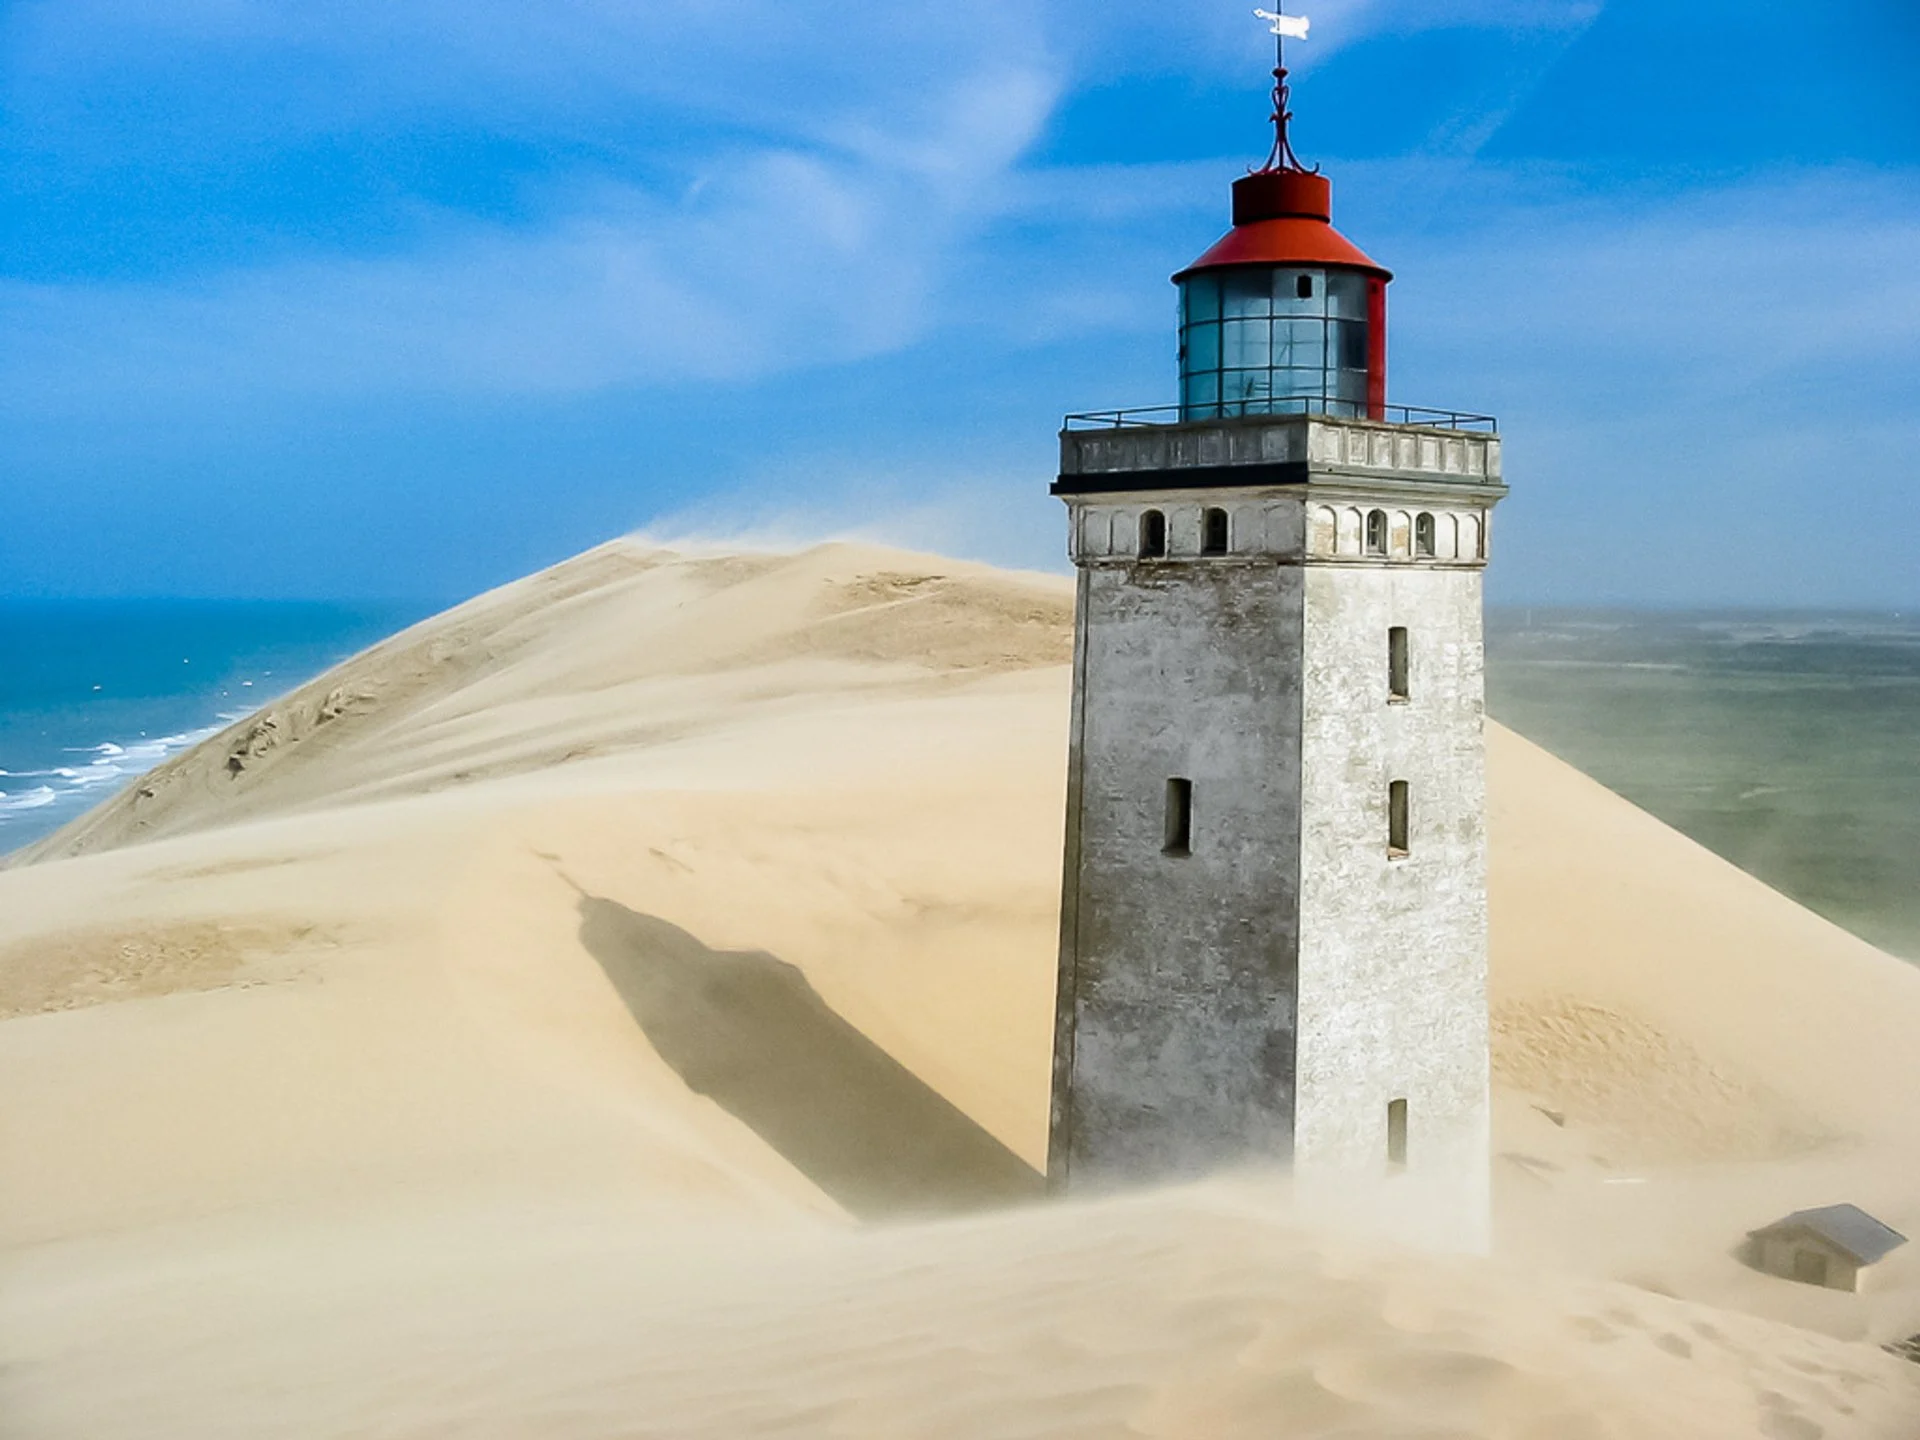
<point>710,991</point>
<point>622,1005</point>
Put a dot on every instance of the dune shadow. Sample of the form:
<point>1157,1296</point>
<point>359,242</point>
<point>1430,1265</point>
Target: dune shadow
<point>749,1032</point>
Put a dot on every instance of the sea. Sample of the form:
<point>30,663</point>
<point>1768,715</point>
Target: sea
<point>95,692</point>
<point>1787,742</point>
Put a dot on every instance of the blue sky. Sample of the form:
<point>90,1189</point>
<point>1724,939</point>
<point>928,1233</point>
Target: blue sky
<point>408,297</point>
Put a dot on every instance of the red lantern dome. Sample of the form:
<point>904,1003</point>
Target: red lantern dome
<point>1284,217</point>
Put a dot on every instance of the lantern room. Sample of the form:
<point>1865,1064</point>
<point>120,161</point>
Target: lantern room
<point>1285,315</point>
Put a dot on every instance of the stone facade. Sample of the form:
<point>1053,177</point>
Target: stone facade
<point>1272,987</point>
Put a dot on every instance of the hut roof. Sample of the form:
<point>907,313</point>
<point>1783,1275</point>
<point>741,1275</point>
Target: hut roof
<point>1847,1227</point>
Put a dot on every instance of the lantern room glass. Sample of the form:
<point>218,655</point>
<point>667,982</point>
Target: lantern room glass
<point>1266,340</point>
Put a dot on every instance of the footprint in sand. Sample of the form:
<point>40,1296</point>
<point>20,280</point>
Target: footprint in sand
<point>1784,1422</point>
<point>1623,1317</point>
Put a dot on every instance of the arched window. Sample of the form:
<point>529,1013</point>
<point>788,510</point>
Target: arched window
<point>1376,532</point>
<point>1213,532</point>
<point>1153,536</point>
<point>1322,531</point>
<point>1423,535</point>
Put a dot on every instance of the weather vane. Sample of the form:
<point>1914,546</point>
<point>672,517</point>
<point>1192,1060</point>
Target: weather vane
<point>1285,27</point>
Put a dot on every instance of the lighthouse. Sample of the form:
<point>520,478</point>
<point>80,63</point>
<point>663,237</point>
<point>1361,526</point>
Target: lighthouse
<point>1273,940</point>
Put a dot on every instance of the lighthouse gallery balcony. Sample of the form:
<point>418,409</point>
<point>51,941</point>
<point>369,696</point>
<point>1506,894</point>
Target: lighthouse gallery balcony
<point>1162,448</point>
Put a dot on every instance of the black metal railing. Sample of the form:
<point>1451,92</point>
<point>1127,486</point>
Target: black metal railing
<point>1288,405</point>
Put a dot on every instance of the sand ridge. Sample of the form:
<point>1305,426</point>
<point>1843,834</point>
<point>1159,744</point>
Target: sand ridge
<point>655,947</point>
<point>492,659</point>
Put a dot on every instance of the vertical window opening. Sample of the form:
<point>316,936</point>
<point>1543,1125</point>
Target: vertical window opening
<point>1179,840</point>
<point>1303,287</point>
<point>1213,533</point>
<point>1397,663</point>
<point>1396,1132</point>
<point>1376,532</point>
<point>1397,819</point>
<point>1423,535</point>
<point>1153,535</point>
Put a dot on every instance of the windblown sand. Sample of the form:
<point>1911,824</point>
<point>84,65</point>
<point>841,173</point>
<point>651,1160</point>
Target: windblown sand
<point>621,1007</point>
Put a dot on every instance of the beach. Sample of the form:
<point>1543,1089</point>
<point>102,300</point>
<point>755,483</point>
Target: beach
<point>622,1005</point>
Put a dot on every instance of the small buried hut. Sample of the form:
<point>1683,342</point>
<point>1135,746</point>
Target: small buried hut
<point>1832,1246</point>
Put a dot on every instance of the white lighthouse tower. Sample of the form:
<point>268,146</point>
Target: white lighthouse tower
<point>1274,921</point>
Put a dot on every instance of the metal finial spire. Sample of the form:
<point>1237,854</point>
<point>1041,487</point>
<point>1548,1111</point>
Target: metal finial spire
<point>1285,27</point>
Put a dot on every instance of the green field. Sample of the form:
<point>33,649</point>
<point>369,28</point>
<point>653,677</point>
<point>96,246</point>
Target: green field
<point>1787,742</point>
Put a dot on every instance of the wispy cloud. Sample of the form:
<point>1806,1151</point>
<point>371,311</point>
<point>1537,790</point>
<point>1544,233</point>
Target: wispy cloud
<point>983,511</point>
<point>1796,283</point>
<point>775,257</point>
<point>773,67</point>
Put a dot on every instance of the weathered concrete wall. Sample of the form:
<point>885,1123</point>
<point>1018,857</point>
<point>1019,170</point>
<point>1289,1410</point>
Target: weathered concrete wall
<point>1393,948</point>
<point>1270,994</point>
<point>1176,1018</point>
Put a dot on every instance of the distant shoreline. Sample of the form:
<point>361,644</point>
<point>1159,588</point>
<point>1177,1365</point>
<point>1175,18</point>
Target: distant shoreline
<point>99,692</point>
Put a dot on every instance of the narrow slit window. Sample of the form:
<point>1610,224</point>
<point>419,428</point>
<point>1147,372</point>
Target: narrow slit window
<point>1397,804</point>
<point>1396,1132</point>
<point>1423,532</point>
<point>1153,536</point>
<point>1397,663</point>
<point>1303,287</point>
<point>1376,532</point>
<point>1213,532</point>
<point>1179,838</point>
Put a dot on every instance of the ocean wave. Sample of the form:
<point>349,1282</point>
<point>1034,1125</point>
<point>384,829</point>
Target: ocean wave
<point>36,799</point>
<point>107,768</point>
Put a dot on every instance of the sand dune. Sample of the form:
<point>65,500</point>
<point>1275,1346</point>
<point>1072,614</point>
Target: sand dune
<point>1194,1314</point>
<point>503,1035</point>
